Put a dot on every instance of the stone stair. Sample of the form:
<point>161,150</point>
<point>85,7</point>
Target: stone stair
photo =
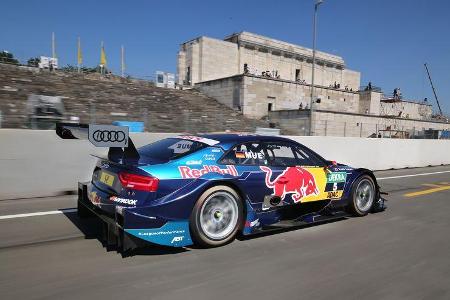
<point>93,98</point>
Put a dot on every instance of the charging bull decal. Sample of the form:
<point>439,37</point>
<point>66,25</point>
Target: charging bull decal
<point>293,180</point>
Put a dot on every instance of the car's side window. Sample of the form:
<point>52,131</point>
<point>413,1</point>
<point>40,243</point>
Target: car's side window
<point>250,154</point>
<point>281,154</point>
<point>307,158</point>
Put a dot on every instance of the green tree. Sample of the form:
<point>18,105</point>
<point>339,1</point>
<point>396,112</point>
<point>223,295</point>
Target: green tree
<point>8,58</point>
<point>33,62</point>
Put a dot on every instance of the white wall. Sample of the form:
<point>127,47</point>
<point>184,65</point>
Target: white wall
<point>380,154</point>
<point>38,163</point>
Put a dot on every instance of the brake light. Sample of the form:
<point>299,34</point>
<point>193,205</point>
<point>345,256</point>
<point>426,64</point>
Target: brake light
<point>139,182</point>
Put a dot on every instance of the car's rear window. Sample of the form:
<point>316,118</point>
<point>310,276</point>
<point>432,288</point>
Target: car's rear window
<point>171,148</point>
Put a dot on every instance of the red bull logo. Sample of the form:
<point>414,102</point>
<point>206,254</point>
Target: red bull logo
<point>188,172</point>
<point>293,180</point>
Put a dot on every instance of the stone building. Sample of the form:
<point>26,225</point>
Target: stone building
<point>270,79</point>
<point>203,59</point>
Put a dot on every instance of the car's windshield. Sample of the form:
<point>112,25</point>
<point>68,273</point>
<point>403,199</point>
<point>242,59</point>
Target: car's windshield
<point>169,149</point>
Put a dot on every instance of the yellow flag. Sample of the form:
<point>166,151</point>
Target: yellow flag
<point>103,56</point>
<point>80,55</point>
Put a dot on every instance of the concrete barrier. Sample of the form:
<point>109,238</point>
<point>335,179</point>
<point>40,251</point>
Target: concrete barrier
<point>38,163</point>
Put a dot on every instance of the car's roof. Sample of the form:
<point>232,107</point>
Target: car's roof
<point>227,140</point>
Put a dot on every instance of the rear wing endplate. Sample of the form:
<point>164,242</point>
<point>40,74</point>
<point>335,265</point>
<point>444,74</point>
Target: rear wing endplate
<point>117,138</point>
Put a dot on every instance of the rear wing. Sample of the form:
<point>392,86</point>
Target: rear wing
<point>117,138</point>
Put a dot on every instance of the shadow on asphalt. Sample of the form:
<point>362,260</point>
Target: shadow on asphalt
<point>92,229</point>
<point>288,229</point>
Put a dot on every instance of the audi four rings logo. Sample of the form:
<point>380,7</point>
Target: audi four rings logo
<point>108,136</point>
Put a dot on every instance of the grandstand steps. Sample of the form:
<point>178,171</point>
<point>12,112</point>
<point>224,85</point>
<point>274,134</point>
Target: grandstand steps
<point>93,98</point>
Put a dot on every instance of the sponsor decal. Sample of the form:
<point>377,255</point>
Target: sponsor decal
<point>293,180</point>
<point>215,150</point>
<point>194,162</point>
<point>104,166</point>
<point>173,233</point>
<point>181,147</point>
<point>334,195</point>
<point>343,169</point>
<point>194,138</point>
<point>249,154</point>
<point>188,172</point>
<point>108,135</point>
<point>123,200</point>
<point>336,177</point>
<point>177,239</point>
<point>209,157</point>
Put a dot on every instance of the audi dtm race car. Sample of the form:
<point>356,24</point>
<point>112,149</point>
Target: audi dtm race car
<point>206,189</point>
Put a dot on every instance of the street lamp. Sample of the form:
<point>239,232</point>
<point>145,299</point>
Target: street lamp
<point>316,6</point>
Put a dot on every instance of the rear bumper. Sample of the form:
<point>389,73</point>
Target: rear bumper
<point>129,228</point>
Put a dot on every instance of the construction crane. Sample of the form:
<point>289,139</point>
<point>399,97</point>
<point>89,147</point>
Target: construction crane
<point>434,91</point>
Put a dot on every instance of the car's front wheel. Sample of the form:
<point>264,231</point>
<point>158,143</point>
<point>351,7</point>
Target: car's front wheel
<point>216,217</point>
<point>362,196</point>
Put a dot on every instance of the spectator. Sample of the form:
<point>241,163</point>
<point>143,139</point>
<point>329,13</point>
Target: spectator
<point>395,94</point>
<point>300,106</point>
<point>369,86</point>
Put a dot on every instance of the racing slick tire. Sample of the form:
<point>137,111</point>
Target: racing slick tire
<point>83,212</point>
<point>216,217</point>
<point>362,196</point>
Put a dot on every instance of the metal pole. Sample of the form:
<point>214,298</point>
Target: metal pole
<point>53,45</point>
<point>311,108</point>
<point>79,55</point>
<point>123,62</point>
<point>434,91</point>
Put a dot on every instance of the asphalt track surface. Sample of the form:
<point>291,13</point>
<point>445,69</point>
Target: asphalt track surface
<point>402,253</point>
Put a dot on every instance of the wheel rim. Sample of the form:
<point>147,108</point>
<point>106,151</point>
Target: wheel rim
<point>364,195</point>
<point>219,215</point>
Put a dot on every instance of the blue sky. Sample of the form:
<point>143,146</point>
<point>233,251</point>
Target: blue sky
<point>387,41</point>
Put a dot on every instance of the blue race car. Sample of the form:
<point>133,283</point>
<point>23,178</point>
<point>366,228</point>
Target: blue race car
<point>207,189</point>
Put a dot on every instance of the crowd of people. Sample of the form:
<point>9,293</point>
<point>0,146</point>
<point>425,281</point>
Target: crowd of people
<point>338,87</point>
<point>397,94</point>
<point>300,107</point>
<point>267,73</point>
<point>274,74</point>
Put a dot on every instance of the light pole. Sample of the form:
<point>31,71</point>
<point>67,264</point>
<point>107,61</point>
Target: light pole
<point>311,107</point>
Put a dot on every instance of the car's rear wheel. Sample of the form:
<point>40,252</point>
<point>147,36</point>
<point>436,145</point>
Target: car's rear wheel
<point>362,196</point>
<point>216,217</point>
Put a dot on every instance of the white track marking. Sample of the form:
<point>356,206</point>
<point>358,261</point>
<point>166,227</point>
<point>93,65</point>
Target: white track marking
<point>71,210</point>
<point>412,175</point>
<point>39,213</point>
